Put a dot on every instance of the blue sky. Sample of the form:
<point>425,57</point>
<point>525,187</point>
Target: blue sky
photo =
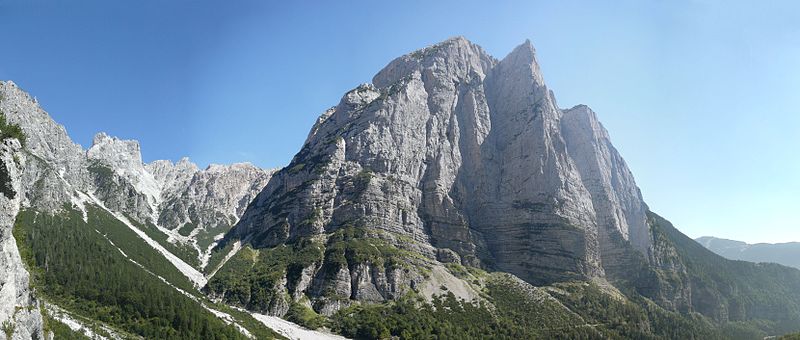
<point>700,97</point>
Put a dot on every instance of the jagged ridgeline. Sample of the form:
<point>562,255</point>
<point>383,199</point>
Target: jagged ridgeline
<point>452,167</point>
<point>96,244</point>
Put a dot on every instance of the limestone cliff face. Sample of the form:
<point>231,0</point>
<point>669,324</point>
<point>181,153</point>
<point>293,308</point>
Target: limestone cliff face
<point>466,156</point>
<point>57,166</point>
<point>18,306</point>
<point>618,204</point>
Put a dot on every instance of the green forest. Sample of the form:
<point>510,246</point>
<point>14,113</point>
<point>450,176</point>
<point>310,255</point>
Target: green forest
<point>74,265</point>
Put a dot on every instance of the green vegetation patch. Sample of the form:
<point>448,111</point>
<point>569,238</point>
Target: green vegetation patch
<point>217,255</point>
<point>250,278</point>
<point>101,172</point>
<point>6,187</point>
<point>186,229</point>
<point>580,310</point>
<point>205,237</point>
<point>184,251</point>
<point>73,265</point>
<point>512,314</point>
<point>305,316</point>
<point>8,130</point>
<point>8,328</point>
<point>255,327</point>
<point>351,246</point>
<point>616,318</point>
<point>447,317</point>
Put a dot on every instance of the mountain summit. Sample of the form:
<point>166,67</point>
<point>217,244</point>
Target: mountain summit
<point>461,158</point>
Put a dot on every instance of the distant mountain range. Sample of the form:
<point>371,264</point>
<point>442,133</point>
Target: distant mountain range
<point>787,254</point>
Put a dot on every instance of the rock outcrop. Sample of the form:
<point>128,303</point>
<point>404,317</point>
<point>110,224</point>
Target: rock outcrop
<point>453,154</point>
<point>19,309</point>
<point>57,166</point>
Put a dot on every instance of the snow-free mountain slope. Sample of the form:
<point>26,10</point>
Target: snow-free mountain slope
<point>787,254</point>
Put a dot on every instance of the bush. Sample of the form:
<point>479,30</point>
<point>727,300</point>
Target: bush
<point>8,328</point>
<point>10,130</point>
<point>305,316</point>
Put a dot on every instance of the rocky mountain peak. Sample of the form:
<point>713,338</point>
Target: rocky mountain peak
<point>172,177</point>
<point>522,62</point>
<point>124,159</point>
<point>117,152</point>
<point>242,166</point>
<point>467,156</point>
<point>454,60</point>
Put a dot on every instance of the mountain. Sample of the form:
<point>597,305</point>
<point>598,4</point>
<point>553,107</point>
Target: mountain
<point>787,254</point>
<point>453,166</point>
<point>192,207</point>
<point>97,243</point>
<point>458,157</point>
<point>449,198</point>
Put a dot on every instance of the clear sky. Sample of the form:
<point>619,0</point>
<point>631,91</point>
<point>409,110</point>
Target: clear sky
<point>700,97</point>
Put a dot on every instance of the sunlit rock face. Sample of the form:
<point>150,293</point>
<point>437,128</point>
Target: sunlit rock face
<point>455,150</point>
<point>18,307</point>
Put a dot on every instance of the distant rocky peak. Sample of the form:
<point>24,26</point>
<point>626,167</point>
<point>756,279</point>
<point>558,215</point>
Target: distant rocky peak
<point>117,152</point>
<point>163,167</point>
<point>171,177</point>
<point>124,158</point>
<point>243,166</point>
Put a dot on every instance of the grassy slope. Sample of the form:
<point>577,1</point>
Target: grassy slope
<point>74,265</point>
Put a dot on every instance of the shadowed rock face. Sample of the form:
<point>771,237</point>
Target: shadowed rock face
<point>456,150</point>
